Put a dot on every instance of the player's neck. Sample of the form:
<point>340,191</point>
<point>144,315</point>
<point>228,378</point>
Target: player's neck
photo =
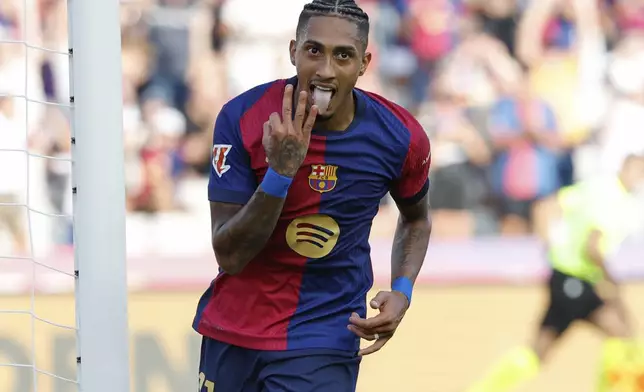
<point>342,118</point>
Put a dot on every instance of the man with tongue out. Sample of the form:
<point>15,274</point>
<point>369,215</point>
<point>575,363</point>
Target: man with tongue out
<point>299,167</point>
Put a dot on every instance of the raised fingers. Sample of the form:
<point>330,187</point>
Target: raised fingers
<point>287,104</point>
<point>300,111</point>
<point>267,131</point>
<point>274,123</point>
<point>267,128</point>
<point>310,121</point>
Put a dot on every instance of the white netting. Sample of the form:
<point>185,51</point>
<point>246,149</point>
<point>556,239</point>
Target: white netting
<point>37,332</point>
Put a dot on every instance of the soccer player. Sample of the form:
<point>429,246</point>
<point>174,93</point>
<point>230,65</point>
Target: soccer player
<point>299,167</point>
<point>594,217</point>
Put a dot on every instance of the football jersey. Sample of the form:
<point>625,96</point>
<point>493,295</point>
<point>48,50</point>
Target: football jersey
<point>315,270</point>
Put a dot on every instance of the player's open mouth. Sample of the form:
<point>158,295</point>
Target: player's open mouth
<point>321,96</point>
<point>322,88</point>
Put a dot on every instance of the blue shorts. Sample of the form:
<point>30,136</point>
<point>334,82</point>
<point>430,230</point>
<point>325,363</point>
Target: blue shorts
<point>227,368</point>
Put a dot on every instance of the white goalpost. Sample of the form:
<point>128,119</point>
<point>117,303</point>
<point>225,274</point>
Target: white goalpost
<point>98,195</point>
<point>98,199</point>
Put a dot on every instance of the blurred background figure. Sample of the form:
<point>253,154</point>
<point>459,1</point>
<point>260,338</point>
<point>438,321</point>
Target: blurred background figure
<point>521,98</point>
<point>12,179</point>
<point>594,218</point>
<point>526,141</point>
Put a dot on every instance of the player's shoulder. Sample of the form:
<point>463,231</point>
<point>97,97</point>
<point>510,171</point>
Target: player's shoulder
<point>397,117</point>
<point>263,97</point>
<point>398,124</point>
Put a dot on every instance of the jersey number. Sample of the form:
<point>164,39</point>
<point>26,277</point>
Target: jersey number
<point>210,385</point>
<point>219,153</point>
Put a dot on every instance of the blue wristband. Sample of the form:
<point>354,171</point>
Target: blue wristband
<point>275,184</point>
<point>403,285</point>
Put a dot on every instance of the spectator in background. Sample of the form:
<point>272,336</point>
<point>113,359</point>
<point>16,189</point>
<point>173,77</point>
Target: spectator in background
<point>13,177</point>
<point>459,157</point>
<point>622,19</point>
<point>208,93</point>
<point>526,141</point>
<point>169,32</point>
<point>395,61</point>
<point>255,51</point>
<point>58,172</point>
<point>19,73</point>
<point>15,126</point>
<point>136,58</point>
<point>623,131</point>
<point>54,67</point>
<point>454,62</point>
<point>562,45</point>
<point>159,155</point>
<point>371,81</point>
<point>499,19</point>
<point>432,28</point>
<point>547,28</point>
<point>478,66</point>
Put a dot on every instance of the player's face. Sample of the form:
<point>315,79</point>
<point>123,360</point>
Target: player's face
<point>330,57</point>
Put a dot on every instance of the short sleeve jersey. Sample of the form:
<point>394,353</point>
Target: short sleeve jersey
<point>316,268</point>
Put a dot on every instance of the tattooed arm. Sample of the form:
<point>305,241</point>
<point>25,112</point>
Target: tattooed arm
<point>408,253</point>
<point>240,232</point>
<point>411,239</point>
<point>410,191</point>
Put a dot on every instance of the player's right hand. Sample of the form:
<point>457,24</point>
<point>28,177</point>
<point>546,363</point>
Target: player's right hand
<point>286,140</point>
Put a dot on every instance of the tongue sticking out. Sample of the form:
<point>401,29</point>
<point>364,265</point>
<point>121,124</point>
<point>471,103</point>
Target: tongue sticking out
<point>321,98</point>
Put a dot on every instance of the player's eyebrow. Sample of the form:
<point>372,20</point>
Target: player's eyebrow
<point>338,48</point>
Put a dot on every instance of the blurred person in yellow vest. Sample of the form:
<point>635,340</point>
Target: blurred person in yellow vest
<point>593,219</point>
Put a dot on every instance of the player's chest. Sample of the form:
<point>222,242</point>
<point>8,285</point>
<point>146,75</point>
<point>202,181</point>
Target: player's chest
<point>338,176</point>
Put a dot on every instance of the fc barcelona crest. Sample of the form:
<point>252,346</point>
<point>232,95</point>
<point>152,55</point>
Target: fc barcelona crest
<point>323,178</point>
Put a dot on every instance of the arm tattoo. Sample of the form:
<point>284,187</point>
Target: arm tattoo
<point>239,233</point>
<point>288,161</point>
<point>411,240</point>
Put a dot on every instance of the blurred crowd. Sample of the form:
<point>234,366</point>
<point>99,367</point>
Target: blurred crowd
<point>519,97</point>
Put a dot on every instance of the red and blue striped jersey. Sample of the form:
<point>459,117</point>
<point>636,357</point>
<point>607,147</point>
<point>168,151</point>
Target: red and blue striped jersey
<point>316,268</point>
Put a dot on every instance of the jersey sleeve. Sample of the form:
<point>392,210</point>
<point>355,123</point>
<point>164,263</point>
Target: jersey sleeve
<point>413,183</point>
<point>232,179</point>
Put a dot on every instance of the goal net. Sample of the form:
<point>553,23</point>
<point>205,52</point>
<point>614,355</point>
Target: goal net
<point>62,202</point>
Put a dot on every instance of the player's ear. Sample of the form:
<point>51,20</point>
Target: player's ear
<point>291,48</point>
<point>366,60</point>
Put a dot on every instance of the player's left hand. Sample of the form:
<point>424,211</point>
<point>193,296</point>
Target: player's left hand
<point>381,328</point>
